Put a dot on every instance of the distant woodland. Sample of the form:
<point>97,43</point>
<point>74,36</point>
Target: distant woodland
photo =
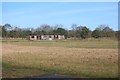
<point>76,32</point>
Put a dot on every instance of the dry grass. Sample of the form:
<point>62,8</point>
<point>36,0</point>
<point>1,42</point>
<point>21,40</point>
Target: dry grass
<point>22,61</point>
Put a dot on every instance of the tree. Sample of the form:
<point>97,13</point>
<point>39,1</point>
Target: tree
<point>101,27</point>
<point>24,32</point>
<point>71,33</point>
<point>17,32</point>
<point>11,34</point>
<point>89,34</point>
<point>96,34</point>
<point>84,32</point>
<point>0,31</point>
<point>74,30</point>
<point>61,31</point>
<point>108,32</point>
<point>105,31</point>
<point>46,29</point>
<point>78,30</point>
<point>118,35</point>
<point>5,29</point>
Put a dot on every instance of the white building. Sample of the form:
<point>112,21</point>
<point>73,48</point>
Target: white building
<point>45,37</point>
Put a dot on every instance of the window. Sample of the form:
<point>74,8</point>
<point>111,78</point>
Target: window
<point>32,36</point>
<point>49,36</point>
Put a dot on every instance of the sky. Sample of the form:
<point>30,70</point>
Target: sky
<point>34,14</point>
<point>60,0</point>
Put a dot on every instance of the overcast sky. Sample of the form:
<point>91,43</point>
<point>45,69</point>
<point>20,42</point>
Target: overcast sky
<point>33,14</point>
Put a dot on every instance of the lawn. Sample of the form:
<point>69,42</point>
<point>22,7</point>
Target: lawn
<point>92,43</point>
<point>73,58</point>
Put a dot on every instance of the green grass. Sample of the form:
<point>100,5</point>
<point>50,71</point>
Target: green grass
<point>101,43</point>
<point>65,69</point>
<point>11,71</point>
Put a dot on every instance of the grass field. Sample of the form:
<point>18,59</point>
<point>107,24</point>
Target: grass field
<point>74,58</point>
<point>101,43</point>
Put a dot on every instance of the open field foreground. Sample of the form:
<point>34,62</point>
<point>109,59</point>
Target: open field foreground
<point>21,60</point>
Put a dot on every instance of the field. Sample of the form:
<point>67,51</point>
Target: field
<point>73,58</point>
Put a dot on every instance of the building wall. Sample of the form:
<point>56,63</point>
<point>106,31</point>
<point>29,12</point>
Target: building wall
<point>61,37</point>
<point>46,37</point>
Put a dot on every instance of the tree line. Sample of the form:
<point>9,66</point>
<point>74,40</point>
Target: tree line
<point>77,31</point>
